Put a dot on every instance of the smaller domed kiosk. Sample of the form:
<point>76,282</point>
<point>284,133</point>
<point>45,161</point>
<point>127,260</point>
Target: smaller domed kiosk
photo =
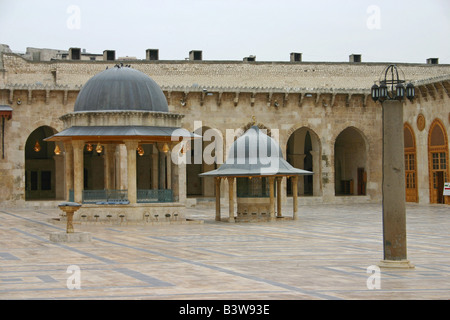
<point>117,146</point>
<point>255,162</point>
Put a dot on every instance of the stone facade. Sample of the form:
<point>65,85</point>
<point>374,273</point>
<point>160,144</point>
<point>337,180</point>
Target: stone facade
<point>325,107</point>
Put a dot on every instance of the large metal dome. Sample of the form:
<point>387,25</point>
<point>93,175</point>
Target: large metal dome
<point>121,89</point>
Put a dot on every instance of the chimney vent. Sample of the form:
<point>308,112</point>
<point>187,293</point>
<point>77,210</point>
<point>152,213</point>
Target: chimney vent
<point>74,54</point>
<point>195,55</point>
<point>250,58</point>
<point>296,57</point>
<point>109,55</point>
<point>152,54</point>
<point>355,58</point>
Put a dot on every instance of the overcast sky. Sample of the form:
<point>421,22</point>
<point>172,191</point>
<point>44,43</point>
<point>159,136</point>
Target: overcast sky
<point>323,30</point>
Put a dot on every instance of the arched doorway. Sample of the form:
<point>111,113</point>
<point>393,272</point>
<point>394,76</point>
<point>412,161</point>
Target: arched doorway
<point>437,161</point>
<point>410,163</point>
<point>303,152</point>
<point>350,163</point>
<point>44,170</point>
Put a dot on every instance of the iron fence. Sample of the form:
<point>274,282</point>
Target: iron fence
<point>154,195</point>
<point>105,196</point>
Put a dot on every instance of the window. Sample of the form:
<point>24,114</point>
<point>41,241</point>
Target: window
<point>439,161</point>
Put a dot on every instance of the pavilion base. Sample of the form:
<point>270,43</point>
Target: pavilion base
<point>255,218</point>
<point>70,237</point>
<point>398,264</point>
<point>155,213</point>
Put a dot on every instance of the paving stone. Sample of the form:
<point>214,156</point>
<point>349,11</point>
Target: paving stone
<point>323,255</point>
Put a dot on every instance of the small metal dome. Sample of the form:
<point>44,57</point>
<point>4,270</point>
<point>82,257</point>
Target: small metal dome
<point>255,154</point>
<point>121,89</point>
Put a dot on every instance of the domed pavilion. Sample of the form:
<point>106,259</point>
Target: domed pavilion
<point>118,144</point>
<point>255,161</point>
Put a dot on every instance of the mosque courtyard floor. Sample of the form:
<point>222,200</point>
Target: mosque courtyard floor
<point>330,253</point>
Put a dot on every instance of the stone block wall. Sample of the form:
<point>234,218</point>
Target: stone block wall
<point>276,94</point>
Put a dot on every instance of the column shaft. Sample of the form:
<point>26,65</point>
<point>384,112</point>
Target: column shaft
<point>272,199</point>
<point>295,196</point>
<point>231,199</point>
<point>69,168</point>
<point>131,170</point>
<point>78,170</point>
<point>109,166</point>
<point>155,170</point>
<point>217,182</point>
<point>279,193</point>
<point>394,211</point>
<point>168,169</point>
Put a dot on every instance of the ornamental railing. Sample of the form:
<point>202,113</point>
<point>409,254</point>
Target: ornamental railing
<point>252,188</point>
<point>154,195</point>
<point>121,196</point>
<point>105,196</point>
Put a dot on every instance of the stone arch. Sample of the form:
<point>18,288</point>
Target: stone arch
<point>438,163</point>
<point>44,169</point>
<point>303,151</point>
<point>261,126</point>
<point>350,162</point>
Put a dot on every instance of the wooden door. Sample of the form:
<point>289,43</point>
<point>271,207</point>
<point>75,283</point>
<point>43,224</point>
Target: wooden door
<point>410,164</point>
<point>437,161</point>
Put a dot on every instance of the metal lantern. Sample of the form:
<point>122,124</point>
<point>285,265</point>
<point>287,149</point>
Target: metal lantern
<point>99,148</point>
<point>400,91</point>
<point>392,86</point>
<point>37,147</point>
<point>410,91</point>
<point>383,91</point>
<point>375,92</point>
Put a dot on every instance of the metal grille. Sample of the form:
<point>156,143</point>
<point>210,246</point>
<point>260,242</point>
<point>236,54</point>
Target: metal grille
<point>105,196</point>
<point>154,195</point>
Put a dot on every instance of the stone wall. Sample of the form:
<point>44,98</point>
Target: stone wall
<point>275,93</point>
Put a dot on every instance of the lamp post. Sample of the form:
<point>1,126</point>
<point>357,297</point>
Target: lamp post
<point>391,92</point>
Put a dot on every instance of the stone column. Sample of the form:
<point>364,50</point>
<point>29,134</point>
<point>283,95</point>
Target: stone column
<point>162,170</point>
<point>69,168</point>
<point>231,199</point>
<point>131,170</point>
<point>78,170</point>
<point>122,167</point>
<point>272,199</point>
<point>316,175</point>
<point>155,168</point>
<point>295,197</point>
<point>393,187</point>
<point>182,182</point>
<point>109,166</point>
<point>279,194</point>
<point>217,182</point>
<point>174,180</point>
<point>169,169</point>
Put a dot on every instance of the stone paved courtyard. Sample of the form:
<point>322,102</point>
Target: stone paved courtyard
<point>323,255</point>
